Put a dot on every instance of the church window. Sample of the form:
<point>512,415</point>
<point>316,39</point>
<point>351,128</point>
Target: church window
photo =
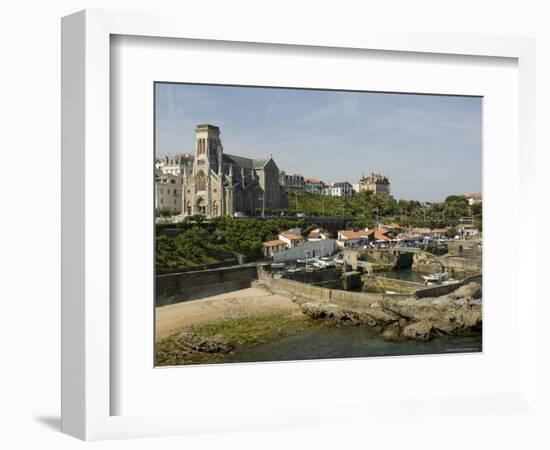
<point>201,181</point>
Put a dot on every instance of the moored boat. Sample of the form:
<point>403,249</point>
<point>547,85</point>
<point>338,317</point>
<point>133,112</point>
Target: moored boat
<point>439,277</point>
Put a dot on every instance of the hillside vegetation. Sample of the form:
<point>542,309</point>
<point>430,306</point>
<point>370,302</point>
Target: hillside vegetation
<point>201,243</point>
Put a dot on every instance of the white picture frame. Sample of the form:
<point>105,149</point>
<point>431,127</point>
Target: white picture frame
<point>87,323</point>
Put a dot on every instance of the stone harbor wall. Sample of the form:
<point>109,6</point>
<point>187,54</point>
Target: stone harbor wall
<point>181,287</point>
<point>444,289</point>
<point>461,267</point>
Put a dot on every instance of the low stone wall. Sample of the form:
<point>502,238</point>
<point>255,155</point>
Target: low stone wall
<point>181,287</point>
<point>444,289</point>
<point>299,289</point>
<point>306,292</point>
<point>316,276</point>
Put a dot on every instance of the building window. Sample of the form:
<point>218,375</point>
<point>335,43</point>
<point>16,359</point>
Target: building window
<point>161,201</point>
<point>188,208</point>
<point>175,192</point>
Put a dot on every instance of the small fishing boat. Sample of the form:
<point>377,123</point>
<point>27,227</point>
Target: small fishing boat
<point>439,277</point>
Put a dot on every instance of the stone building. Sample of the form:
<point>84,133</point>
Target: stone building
<point>168,189</point>
<point>174,165</point>
<point>375,182</point>
<point>215,183</point>
<point>293,183</point>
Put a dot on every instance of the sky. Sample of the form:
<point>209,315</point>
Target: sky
<point>430,146</point>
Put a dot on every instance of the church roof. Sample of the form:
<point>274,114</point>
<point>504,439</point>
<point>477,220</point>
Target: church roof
<point>247,163</point>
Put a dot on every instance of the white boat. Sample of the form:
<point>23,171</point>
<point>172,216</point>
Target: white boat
<point>439,277</point>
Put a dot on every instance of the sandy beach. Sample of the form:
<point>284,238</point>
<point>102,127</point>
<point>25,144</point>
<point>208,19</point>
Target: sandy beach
<point>242,303</point>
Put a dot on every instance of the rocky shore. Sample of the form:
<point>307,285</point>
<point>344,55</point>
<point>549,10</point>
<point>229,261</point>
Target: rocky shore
<point>458,313</point>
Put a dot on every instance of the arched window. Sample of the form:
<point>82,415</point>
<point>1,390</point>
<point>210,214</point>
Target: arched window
<point>215,208</point>
<point>189,208</point>
<point>200,181</point>
<point>200,146</point>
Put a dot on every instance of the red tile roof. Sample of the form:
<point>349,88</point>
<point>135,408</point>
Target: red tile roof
<point>350,234</point>
<point>380,236</point>
<point>273,243</point>
<point>313,181</point>
<point>291,236</point>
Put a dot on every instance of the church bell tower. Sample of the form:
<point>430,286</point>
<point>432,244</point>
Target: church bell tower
<point>208,152</point>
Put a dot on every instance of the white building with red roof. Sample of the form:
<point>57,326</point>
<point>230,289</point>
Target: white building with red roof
<point>270,248</point>
<point>291,238</point>
<point>353,239</point>
<point>474,199</point>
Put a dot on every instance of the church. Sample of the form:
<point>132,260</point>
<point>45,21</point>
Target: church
<point>215,183</point>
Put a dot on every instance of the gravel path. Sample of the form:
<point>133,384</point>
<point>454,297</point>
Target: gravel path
<point>243,303</point>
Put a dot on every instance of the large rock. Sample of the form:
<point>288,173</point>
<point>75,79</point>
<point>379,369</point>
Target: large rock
<point>420,331</point>
<point>319,310</point>
<point>381,316</point>
<point>374,315</point>
<point>472,289</point>
<point>448,314</point>
<point>426,262</point>
<point>215,344</point>
<point>392,332</point>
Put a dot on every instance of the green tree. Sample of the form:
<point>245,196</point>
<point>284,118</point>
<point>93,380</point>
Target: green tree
<point>451,232</point>
<point>165,212</point>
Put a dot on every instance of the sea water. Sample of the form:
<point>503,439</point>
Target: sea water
<point>350,342</point>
